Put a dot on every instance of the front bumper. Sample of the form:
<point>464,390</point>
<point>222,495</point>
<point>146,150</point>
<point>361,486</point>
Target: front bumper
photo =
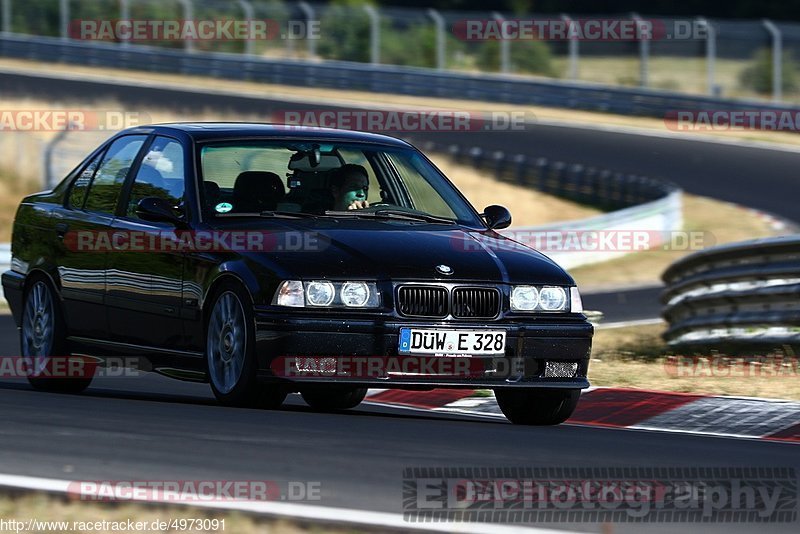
<point>363,351</point>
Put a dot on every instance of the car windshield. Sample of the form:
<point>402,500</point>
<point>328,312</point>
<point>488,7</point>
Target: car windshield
<point>327,179</point>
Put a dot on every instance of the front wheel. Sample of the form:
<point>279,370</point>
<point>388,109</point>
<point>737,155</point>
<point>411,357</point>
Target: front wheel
<point>333,398</point>
<point>533,406</point>
<point>230,353</point>
<point>43,343</point>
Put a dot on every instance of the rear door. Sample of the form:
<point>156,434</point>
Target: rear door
<point>83,228</point>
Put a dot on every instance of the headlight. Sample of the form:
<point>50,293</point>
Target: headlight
<point>290,293</point>
<point>355,294</point>
<point>575,301</point>
<point>553,299</point>
<point>524,298</point>
<point>320,293</point>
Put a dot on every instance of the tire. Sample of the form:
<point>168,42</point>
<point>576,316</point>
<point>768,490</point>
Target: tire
<point>230,352</point>
<point>43,339</point>
<point>533,406</point>
<point>333,398</point>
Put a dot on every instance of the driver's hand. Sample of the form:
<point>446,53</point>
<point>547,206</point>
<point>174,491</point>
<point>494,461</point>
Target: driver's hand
<point>358,204</point>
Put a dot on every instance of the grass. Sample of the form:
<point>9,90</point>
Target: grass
<point>637,357</point>
<point>43,507</point>
<point>482,191</point>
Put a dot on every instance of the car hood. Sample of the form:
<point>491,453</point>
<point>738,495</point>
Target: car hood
<point>401,251</point>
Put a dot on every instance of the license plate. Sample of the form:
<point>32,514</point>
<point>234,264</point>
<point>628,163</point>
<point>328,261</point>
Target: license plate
<point>422,341</point>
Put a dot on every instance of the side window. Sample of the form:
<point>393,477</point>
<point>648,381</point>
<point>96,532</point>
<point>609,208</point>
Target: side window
<point>110,175</point>
<point>77,194</point>
<point>160,174</point>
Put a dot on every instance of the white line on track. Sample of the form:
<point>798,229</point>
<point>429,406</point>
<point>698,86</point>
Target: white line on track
<point>295,511</point>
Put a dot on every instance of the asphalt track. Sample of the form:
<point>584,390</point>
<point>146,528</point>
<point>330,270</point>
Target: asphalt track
<point>153,428</point>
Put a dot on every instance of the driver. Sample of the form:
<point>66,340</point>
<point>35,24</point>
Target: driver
<point>350,185</point>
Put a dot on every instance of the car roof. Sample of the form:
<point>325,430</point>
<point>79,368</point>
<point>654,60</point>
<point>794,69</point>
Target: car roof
<point>203,131</point>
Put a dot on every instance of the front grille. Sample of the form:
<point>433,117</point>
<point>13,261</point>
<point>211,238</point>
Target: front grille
<point>422,301</point>
<point>476,302</point>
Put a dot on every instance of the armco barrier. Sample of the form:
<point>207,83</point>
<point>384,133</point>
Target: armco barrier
<point>373,78</point>
<point>735,297</point>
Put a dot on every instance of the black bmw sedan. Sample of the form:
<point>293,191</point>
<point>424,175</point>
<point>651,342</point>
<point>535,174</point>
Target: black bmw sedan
<point>268,259</point>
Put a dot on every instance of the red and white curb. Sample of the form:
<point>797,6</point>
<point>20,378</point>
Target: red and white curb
<point>739,417</point>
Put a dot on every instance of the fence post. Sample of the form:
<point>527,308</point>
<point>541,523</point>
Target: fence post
<point>47,161</point>
<point>63,12</point>
<point>573,50</point>
<point>777,60</point>
<point>249,14</point>
<point>310,14</point>
<point>644,49</point>
<point>124,14</point>
<point>505,52</point>
<point>374,35</point>
<point>188,14</point>
<point>438,20</point>
<point>711,55</point>
<point>6,8</point>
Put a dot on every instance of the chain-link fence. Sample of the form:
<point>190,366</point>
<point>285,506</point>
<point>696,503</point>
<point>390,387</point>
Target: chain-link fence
<point>728,58</point>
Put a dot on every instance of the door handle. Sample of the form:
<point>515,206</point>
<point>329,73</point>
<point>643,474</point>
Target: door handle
<point>61,230</point>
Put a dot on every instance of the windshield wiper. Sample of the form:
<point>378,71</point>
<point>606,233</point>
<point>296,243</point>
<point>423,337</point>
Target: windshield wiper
<point>392,215</point>
<point>288,214</point>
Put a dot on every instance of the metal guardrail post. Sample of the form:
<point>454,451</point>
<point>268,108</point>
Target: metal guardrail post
<point>777,60</point>
<point>438,21</point>
<point>124,14</point>
<point>644,50</point>
<point>249,14</point>
<point>374,35</point>
<point>310,14</point>
<point>63,13</point>
<point>5,7</point>
<point>47,158</point>
<point>505,48</point>
<point>573,50</point>
<point>711,55</point>
<point>188,14</point>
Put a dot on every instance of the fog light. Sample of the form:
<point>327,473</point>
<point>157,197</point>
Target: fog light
<point>560,369</point>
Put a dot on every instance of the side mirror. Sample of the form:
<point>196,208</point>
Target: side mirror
<point>157,210</point>
<point>497,217</point>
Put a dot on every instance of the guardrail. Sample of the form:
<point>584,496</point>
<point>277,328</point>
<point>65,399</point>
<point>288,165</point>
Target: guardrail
<point>641,204</point>
<point>414,81</point>
<point>735,297</point>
